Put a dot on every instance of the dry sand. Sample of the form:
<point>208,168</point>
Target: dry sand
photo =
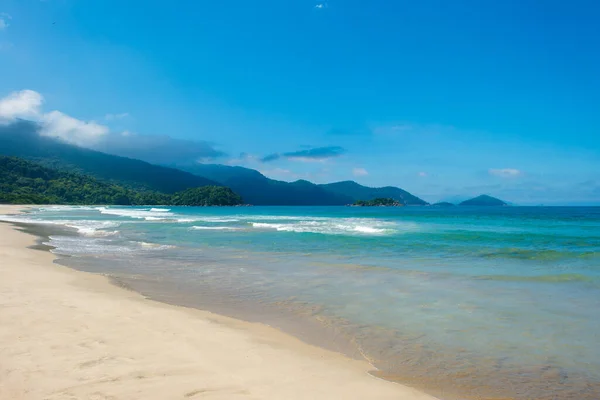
<point>66,334</point>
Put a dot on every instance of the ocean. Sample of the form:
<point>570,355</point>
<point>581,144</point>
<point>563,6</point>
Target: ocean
<point>476,303</point>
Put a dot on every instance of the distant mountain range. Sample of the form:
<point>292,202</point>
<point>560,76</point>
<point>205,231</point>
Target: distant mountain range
<point>255,188</point>
<point>21,139</point>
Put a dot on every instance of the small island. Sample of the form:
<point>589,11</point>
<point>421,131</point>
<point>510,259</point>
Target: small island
<point>484,200</point>
<point>378,202</point>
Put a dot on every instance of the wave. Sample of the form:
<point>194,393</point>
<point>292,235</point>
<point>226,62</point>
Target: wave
<point>332,226</point>
<point>67,208</point>
<point>216,228</point>
<point>83,227</point>
<point>154,246</point>
<point>82,245</point>
<point>148,214</point>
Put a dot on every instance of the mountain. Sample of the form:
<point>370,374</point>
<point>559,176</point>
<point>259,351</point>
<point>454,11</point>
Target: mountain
<point>257,189</point>
<point>357,192</point>
<point>483,200</point>
<point>25,182</point>
<point>21,139</point>
<point>443,204</point>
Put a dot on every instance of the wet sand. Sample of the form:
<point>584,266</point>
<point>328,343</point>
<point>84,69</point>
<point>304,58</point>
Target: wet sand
<point>66,334</point>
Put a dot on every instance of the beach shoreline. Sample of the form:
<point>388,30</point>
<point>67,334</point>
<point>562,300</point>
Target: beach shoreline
<point>72,334</point>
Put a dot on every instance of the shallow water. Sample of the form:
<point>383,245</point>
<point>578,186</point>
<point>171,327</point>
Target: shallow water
<point>467,302</point>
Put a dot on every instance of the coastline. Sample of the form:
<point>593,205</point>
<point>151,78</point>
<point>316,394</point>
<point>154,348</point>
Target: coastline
<point>72,334</point>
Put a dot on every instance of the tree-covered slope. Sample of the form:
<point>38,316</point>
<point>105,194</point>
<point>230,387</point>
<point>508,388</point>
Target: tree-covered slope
<point>22,140</point>
<point>25,182</point>
<point>257,189</point>
<point>357,192</point>
<point>378,202</point>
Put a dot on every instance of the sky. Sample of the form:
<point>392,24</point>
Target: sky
<point>445,99</point>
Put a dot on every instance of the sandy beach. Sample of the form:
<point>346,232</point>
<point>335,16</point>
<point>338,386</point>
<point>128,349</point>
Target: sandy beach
<point>66,334</point>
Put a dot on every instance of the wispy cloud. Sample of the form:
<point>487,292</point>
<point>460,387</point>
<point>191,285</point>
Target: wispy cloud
<point>112,117</point>
<point>4,18</point>
<point>315,154</point>
<point>359,172</point>
<point>321,6</point>
<point>422,174</point>
<point>505,172</point>
<point>270,157</point>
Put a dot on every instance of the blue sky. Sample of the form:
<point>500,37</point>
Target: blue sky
<point>442,98</point>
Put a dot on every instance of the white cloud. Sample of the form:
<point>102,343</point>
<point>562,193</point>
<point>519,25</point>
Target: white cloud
<point>505,172</point>
<point>360,172</point>
<point>27,104</point>
<point>321,6</point>
<point>4,21</point>
<point>23,104</point>
<point>72,130</point>
<point>112,117</point>
<point>422,174</point>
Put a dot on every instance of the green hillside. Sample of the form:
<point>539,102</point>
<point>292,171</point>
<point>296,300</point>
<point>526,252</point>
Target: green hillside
<point>25,182</point>
<point>22,140</point>
<point>357,192</point>
<point>257,189</point>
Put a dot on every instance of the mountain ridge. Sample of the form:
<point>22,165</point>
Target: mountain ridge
<point>21,139</point>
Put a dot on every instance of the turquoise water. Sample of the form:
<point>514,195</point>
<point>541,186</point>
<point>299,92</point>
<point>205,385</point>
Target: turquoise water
<point>472,302</point>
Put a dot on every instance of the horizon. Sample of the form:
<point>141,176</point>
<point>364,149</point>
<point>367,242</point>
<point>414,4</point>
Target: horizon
<point>443,100</point>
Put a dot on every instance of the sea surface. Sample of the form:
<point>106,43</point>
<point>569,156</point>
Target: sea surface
<point>485,303</point>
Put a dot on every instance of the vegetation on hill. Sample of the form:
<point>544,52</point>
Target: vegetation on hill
<point>359,192</point>
<point>257,189</point>
<point>21,139</point>
<point>24,182</point>
<point>483,200</point>
<point>444,204</point>
<point>378,202</point>
<point>207,196</point>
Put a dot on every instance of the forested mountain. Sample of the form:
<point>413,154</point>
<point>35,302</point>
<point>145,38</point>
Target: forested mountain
<point>22,140</point>
<point>257,189</point>
<point>359,192</point>
<point>25,182</point>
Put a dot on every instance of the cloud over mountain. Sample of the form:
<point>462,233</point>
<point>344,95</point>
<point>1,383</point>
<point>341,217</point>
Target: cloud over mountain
<point>315,154</point>
<point>160,149</point>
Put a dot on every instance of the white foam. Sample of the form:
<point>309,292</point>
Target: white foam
<point>83,227</point>
<point>67,208</point>
<point>333,226</point>
<point>81,245</point>
<point>160,209</point>
<point>154,246</point>
<point>148,214</point>
<point>216,228</point>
